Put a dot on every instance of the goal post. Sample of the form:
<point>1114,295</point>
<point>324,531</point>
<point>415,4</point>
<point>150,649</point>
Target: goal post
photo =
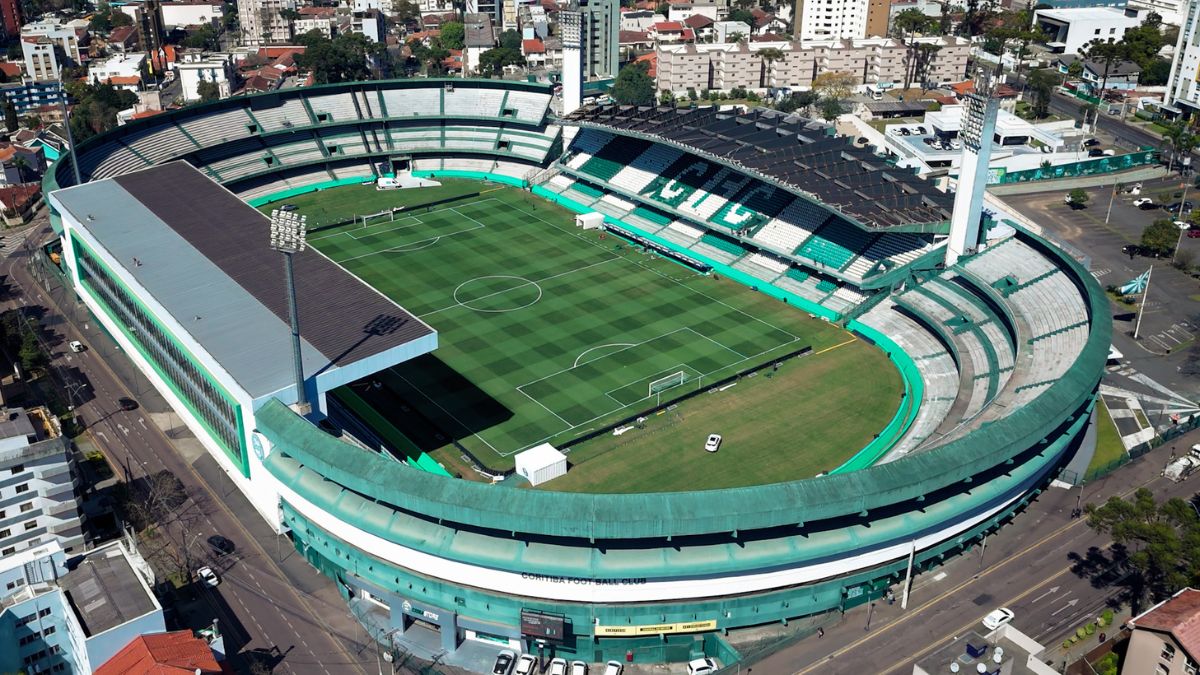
<point>664,383</point>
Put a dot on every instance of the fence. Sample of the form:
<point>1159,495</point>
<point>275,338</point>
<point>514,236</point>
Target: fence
<point>1182,427</point>
<point>1087,167</point>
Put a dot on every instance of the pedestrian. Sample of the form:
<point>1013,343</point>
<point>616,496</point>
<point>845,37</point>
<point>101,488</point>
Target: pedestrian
<point>891,598</point>
<point>820,632</point>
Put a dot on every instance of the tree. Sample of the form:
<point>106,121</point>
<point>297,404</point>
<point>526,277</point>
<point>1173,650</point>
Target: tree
<point>96,107</point>
<point>831,108</point>
<point>1158,543</point>
<point>907,25</point>
<point>1105,53</point>
<point>633,85</point>
<point>1014,34</point>
<point>1143,43</point>
<point>208,91</point>
<point>1041,84</point>
<point>342,59</point>
<point>742,15</point>
<point>31,122</point>
<point>770,56</point>
<point>1074,70</point>
<point>206,37</point>
<point>1155,73</point>
<point>511,39</point>
<point>453,35</point>
<point>799,101</point>
<point>1160,237</point>
<point>11,121</point>
<point>1180,140</point>
<point>666,97</point>
<point>834,84</point>
<point>494,60</point>
<point>1078,197</point>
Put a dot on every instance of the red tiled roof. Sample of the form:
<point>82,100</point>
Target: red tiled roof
<point>120,34</point>
<point>17,197</point>
<point>769,37</point>
<point>946,100</point>
<point>534,46</point>
<point>120,80</point>
<point>318,11</point>
<point>146,113</point>
<point>965,87</point>
<point>652,59</point>
<point>1179,616</point>
<point>627,36</point>
<point>10,69</point>
<point>668,27</point>
<point>163,654</point>
<point>697,21</point>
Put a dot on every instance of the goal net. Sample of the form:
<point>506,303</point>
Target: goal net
<point>664,383</point>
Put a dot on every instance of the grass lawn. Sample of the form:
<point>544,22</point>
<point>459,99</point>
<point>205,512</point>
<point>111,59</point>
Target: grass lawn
<point>771,427</point>
<point>1109,448</point>
<point>547,332</point>
<point>325,207</point>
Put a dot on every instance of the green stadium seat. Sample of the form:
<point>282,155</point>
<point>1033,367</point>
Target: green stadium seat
<point>797,274</point>
<point>588,190</point>
<point>826,286</point>
<point>723,244</point>
<point>652,216</point>
<point>826,252</point>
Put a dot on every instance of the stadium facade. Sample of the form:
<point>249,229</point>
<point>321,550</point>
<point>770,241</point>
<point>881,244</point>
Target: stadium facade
<point>1000,353</point>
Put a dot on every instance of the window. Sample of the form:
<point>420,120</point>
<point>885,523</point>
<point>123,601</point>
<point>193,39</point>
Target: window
<point>44,612</point>
<point>16,583</point>
<point>49,630</point>
<point>27,506</point>
<point>30,525</point>
<point>5,533</point>
<point>1168,652</point>
<point>23,487</point>
<point>18,468</point>
<point>2,514</point>
<point>1189,666</point>
<point>8,551</point>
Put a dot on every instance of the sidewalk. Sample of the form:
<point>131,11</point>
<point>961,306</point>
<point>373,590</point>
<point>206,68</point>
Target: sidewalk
<point>1064,184</point>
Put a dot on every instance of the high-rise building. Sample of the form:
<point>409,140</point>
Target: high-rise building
<point>10,17</point>
<point>262,23</point>
<point>1183,87</point>
<point>37,496</point>
<point>601,27</point>
<point>831,19</point>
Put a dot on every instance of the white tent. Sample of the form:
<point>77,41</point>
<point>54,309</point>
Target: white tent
<point>541,463</point>
<point>590,221</point>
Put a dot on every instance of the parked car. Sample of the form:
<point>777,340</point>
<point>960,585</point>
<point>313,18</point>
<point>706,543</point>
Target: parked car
<point>1194,233</point>
<point>704,666</point>
<point>998,617</point>
<point>76,346</point>
<point>504,662</point>
<point>905,132</point>
<point>1109,152</point>
<point>558,666</point>
<point>127,403</point>
<point>1095,152</point>
<point>1175,206</point>
<point>220,545</point>
<point>713,443</point>
<point>526,664</point>
<point>613,668</point>
<point>1144,203</point>
<point>1091,142</point>
<point>208,577</point>
<point>578,668</point>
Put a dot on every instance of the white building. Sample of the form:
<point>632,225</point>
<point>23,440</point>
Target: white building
<point>1183,87</point>
<point>41,63</point>
<point>1171,11</point>
<point>725,30</point>
<point>438,7</point>
<point>370,24</point>
<point>123,71</point>
<point>833,20</point>
<point>37,500</point>
<point>191,12</point>
<point>261,23</point>
<point>324,25</point>
<point>1072,28</point>
<point>38,42</point>
<point>197,68</point>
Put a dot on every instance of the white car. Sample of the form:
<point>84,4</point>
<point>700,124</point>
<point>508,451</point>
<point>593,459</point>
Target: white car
<point>558,666</point>
<point>1182,225</point>
<point>208,577</point>
<point>76,346</point>
<point>701,667</point>
<point>998,617</point>
<point>713,443</point>
<point>578,668</point>
<point>526,664</point>
<point>613,668</point>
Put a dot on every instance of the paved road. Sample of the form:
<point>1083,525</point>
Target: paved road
<point>1030,566</point>
<point>1068,106</point>
<point>286,609</point>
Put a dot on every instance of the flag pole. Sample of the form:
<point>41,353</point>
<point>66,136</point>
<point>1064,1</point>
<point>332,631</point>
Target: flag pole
<point>1142,307</point>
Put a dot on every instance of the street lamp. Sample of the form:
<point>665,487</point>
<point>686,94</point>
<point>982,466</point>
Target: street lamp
<point>288,231</point>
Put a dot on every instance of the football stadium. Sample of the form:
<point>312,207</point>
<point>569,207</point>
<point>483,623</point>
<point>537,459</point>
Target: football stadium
<point>518,331</point>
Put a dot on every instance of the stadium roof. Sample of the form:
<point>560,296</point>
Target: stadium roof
<point>202,254</point>
<point>793,151</point>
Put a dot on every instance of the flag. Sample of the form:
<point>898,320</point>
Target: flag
<point>1136,285</point>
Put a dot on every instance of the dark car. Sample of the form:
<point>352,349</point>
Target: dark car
<point>1091,142</point>
<point>1132,250</point>
<point>1174,207</point>
<point>1095,152</point>
<point>127,403</point>
<point>220,545</point>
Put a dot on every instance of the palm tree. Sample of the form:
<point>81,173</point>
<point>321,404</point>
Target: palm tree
<point>769,56</point>
<point>1179,137</point>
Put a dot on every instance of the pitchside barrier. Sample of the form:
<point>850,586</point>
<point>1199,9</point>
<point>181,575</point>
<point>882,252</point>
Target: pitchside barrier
<point>409,210</point>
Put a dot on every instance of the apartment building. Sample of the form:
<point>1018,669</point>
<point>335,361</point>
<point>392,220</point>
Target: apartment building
<point>871,61</point>
<point>261,21</point>
<point>832,20</point>
<point>1183,87</point>
<point>1166,638</point>
<point>38,483</point>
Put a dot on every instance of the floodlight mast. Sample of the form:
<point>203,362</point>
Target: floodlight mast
<point>288,232</point>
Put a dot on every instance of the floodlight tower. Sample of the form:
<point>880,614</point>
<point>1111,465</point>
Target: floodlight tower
<point>978,128</point>
<point>288,236</point>
<point>573,44</point>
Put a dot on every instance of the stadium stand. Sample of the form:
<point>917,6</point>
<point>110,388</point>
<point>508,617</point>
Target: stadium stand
<point>159,145</point>
<point>214,128</point>
<point>337,107</point>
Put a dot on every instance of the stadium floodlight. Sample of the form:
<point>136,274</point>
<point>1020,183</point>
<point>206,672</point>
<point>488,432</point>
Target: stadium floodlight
<point>289,233</point>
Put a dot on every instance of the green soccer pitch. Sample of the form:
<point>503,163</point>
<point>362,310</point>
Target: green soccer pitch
<point>547,332</point>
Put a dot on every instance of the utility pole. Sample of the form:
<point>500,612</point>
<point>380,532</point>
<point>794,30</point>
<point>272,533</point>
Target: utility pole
<point>912,553</point>
<point>1111,198</point>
